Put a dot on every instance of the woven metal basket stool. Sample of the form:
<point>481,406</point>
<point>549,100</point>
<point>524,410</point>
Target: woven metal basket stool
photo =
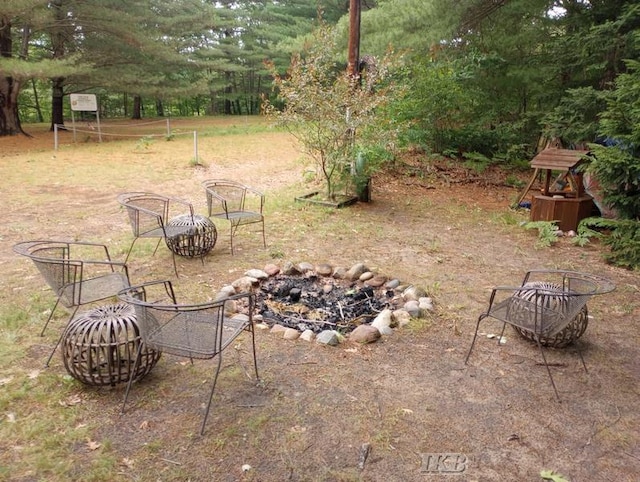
<point>573,331</point>
<point>197,241</point>
<point>99,347</point>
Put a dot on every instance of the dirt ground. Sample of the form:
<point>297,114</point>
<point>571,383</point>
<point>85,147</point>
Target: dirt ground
<point>409,397</point>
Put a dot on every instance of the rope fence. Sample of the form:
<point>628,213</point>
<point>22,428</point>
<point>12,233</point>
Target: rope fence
<point>99,129</point>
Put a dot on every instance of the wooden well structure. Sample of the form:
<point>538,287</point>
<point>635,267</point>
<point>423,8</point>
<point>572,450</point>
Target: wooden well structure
<point>562,197</point>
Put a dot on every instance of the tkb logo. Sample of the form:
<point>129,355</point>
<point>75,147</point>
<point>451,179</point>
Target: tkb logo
<point>444,463</point>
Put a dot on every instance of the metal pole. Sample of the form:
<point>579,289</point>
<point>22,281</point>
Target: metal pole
<point>73,123</point>
<point>195,146</point>
<point>99,131</point>
<point>168,128</point>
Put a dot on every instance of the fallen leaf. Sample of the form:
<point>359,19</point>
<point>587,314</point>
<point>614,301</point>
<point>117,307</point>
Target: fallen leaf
<point>144,425</point>
<point>33,374</point>
<point>127,462</point>
<point>551,475</point>
<point>4,381</point>
<point>71,401</point>
<point>11,417</point>
<point>92,444</point>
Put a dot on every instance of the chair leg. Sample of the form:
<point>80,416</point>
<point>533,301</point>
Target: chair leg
<point>213,387</point>
<point>175,267</point>
<point>584,364</point>
<point>60,337</point>
<point>253,346</point>
<point>130,249</point>
<point>50,316</point>
<point>232,234</point>
<point>264,239</point>
<point>135,368</point>
<point>544,358</point>
<point>475,336</point>
<point>157,246</point>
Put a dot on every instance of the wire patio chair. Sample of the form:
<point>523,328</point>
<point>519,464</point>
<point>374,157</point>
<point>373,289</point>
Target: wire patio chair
<point>548,308</point>
<point>236,203</point>
<point>149,218</point>
<point>79,273</point>
<point>200,331</point>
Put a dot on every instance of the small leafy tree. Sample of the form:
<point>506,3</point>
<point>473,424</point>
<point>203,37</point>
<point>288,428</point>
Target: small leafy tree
<point>333,114</point>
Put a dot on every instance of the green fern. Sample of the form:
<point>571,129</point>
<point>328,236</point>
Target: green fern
<point>547,232</point>
<point>621,236</point>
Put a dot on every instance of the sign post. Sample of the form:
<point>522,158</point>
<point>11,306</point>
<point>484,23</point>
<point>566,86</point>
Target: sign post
<point>84,103</point>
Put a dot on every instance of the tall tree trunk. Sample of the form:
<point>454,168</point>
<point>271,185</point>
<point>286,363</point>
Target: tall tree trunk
<point>9,117</point>
<point>9,87</point>
<point>353,48</point>
<point>137,107</point>
<point>57,99</point>
<point>159,108</point>
<point>57,46</point>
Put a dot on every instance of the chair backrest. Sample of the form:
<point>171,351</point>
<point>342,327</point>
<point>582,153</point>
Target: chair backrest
<point>225,197</point>
<point>68,266</point>
<point>147,211</point>
<point>188,330</point>
<point>53,262</point>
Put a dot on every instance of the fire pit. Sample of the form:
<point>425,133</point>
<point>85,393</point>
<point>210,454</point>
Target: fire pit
<point>318,303</point>
<point>328,304</point>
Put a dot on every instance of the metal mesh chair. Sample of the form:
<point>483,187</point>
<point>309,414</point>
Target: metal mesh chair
<point>149,218</point>
<point>236,203</point>
<point>200,331</point>
<point>549,308</point>
<point>79,273</point>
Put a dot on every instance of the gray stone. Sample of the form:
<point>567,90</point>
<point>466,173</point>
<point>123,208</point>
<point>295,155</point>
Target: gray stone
<point>383,322</point>
<point>367,275</point>
<point>278,328</point>
<point>340,273</point>
<point>324,269</point>
<point>257,274</point>
<point>356,271</point>
<point>392,284</point>
<point>402,317</point>
<point>305,267</point>
<point>328,337</point>
<point>308,335</point>
<point>413,293</point>
<point>225,292</point>
<point>413,307</point>
<point>364,334</point>
<point>425,303</point>
<point>376,281</point>
<point>290,269</point>
<point>291,334</point>
<point>244,284</point>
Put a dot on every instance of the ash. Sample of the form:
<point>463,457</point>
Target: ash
<point>317,303</point>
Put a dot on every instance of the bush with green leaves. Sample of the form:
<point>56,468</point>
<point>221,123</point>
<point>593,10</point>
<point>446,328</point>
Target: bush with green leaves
<point>336,115</point>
